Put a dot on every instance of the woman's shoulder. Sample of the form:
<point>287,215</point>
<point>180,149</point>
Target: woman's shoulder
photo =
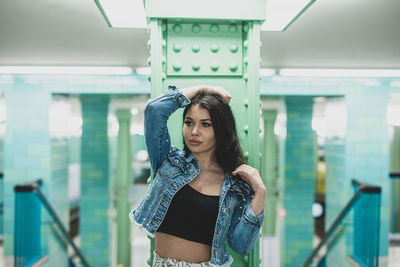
<point>177,155</point>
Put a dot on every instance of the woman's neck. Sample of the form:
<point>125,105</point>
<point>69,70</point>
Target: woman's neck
<point>206,162</point>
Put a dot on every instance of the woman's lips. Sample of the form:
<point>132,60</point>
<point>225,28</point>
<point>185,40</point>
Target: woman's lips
<point>194,143</point>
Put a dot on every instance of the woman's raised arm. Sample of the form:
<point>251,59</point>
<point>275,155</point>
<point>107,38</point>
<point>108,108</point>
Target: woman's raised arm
<point>156,115</point>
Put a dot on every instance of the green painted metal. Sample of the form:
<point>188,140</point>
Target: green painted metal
<point>249,10</point>
<point>299,14</point>
<point>200,50</point>
<point>124,176</point>
<point>395,182</point>
<point>269,170</point>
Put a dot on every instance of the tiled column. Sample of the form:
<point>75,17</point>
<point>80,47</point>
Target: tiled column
<point>299,182</point>
<point>94,200</point>
<point>363,154</point>
<point>26,147</point>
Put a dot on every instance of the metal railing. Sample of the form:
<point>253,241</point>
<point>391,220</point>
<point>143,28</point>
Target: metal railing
<point>29,200</point>
<point>366,223</point>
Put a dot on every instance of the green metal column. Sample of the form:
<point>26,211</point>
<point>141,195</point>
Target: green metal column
<point>124,176</point>
<point>395,183</point>
<point>269,172</point>
<point>216,43</point>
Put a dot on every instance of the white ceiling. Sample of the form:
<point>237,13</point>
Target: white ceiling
<point>330,34</point>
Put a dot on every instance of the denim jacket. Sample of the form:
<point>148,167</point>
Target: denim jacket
<point>236,221</point>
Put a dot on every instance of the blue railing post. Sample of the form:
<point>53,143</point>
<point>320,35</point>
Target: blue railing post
<point>366,224</point>
<point>366,204</point>
<point>27,216</point>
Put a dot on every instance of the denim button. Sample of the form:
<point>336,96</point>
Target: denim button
<point>223,209</point>
<point>175,185</point>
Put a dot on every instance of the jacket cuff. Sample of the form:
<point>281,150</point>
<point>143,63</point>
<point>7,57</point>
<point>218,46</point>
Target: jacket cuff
<point>180,99</point>
<point>252,219</point>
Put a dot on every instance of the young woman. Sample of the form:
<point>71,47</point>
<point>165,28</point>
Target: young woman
<point>204,195</point>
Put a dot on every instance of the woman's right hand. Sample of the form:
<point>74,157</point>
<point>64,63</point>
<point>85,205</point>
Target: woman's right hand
<point>190,92</point>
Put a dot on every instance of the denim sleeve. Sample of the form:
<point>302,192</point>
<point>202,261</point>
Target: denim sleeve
<point>156,115</point>
<point>245,227</point>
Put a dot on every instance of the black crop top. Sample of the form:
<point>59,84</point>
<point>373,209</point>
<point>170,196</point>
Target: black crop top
<point>192,216</point>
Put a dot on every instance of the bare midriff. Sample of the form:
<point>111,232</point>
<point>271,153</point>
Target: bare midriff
<point>173,247</point>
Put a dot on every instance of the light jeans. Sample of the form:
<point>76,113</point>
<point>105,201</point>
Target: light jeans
<point>165,262</point>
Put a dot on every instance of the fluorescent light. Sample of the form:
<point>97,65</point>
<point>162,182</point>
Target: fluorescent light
<point>282,13</point>
<point>64,70</point>
<point>143,70</point>
<point>395,83</point>
<point>267,72</point>
<point>123,13</point>
<point>341,72</point>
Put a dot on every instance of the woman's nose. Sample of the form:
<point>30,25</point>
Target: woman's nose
<point>195,130</point>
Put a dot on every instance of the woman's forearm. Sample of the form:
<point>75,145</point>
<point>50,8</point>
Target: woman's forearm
<point>257,203</point>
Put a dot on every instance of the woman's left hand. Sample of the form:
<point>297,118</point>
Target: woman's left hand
<point>251,176</point>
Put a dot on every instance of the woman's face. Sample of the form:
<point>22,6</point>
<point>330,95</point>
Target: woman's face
<point>198,131</point>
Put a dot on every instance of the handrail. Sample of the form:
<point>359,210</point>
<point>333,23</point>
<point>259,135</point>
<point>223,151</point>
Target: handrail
<point>394,175</point>
<point>362,188</point>
<point>34,186</point>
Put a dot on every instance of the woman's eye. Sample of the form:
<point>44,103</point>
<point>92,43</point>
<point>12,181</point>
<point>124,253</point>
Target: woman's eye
<point>188,123</point>
<point>205,124</point>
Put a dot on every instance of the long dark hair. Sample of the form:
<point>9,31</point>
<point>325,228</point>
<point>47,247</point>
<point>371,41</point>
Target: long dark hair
<point>228,153</point>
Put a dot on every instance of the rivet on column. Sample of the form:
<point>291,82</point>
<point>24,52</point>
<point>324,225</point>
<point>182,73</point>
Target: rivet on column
<point>245,77</point>
<point>233,67</point>
<point>232,28</point>
<point>177,28</point>
<point>177,66</point>
<point>163,60</point>
<point>163,76</point>
<point>214,28</point>
<point>149,61</point>
<point>233,48</point>
<point>246,103</point>
<point>195,66</point>
<point>196,28</point>
<point>246,60</point>
<point>177,48</point>
<point>246,44</point>
<point>246,128</point>
<point>195,48</point>
<point>214,66</point>
<point>149,44</point>
<point>214,48</point>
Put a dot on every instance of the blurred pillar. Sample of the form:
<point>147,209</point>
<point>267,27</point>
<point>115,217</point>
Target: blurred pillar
<point>269,175</point>
<point>298,229</point>
<point>94,199</point>
<point>395,182</point>
<point>269,170</point>
<point>124,178</point>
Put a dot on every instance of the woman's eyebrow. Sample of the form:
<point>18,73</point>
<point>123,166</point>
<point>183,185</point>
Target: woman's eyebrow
<point>189,118</point>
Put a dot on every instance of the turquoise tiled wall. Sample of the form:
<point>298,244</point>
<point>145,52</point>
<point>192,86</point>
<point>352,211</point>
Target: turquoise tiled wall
<point>95,199</point>
<point>367,145</point>
<point>299,181</point>
<point>26,147</point>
